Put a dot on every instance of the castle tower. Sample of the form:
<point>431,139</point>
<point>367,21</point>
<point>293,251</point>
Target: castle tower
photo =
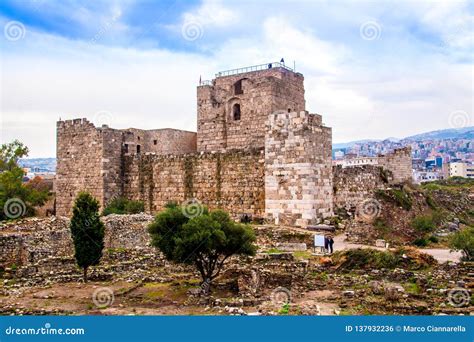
<point>233,108</point>
<point>298,169</point>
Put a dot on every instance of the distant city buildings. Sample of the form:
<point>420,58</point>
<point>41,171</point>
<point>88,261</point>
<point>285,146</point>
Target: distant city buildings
<point>433,159</point>
<point>461,169</point>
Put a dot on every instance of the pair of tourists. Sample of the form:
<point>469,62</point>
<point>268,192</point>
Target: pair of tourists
<point>329,243</point>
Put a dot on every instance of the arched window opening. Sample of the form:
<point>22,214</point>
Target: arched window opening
<point>236,111</point>
<point>238,88</point>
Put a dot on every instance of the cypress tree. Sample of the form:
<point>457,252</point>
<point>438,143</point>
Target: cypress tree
<point>87,232</point>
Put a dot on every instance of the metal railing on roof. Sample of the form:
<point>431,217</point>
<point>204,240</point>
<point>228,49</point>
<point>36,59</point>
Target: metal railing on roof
<point>205,82</point>
<point>253,68</point>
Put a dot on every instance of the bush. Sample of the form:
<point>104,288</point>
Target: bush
<point>423,224</point>
<point>369,258</point>
<point>122,206</point>
<point>365,258</point>
<point>420,242</point>
<point>463,240</point>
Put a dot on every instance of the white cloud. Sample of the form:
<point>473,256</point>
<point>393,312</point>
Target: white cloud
<point>361,95</point>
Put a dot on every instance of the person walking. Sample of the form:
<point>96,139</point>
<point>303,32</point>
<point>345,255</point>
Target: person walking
<point>331,244</point>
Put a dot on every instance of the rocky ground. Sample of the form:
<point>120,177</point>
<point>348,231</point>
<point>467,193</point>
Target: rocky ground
<point>274,282</point>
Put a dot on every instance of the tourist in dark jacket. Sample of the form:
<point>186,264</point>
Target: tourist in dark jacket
<point>331,243</point>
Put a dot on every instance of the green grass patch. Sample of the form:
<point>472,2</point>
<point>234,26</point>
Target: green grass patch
<point>399,197</point>
<point>302,255</point>
<point>273,251</point>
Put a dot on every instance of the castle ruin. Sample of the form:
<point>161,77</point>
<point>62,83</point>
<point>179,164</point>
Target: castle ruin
<point>257,151</point>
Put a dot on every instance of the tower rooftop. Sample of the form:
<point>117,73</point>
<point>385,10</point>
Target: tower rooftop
<point>258,67</point>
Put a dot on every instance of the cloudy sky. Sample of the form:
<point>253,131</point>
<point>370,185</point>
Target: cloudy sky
<point>372,69</point>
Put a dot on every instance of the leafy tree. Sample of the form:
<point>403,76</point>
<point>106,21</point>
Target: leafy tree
<point>205,241</point>
<point>23,196</point>
<point>463,240</point>
<point>10,153</point>
<point>87,232</point>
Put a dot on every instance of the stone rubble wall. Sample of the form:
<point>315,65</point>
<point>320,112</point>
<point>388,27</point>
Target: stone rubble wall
<point>233,181</point>
<point>354,185</point>
<point>34,240</point>
<point>298,173</point>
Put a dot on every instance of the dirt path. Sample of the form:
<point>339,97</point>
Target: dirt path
<point>441,255</point>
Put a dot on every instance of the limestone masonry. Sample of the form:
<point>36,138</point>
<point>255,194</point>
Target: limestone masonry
<point>257,151</point>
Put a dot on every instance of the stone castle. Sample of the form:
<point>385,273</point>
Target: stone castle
<point>257,151</point>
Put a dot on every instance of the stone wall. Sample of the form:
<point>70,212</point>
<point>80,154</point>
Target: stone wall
<point>258,94</point>
<point>353,185</point>
<point>80,163</point>
<point>298,174</point>
<point>32,240</point>
<point>233,181</point>
<point>399,164</point>
<point>91,158</point>
<point>159,141</point>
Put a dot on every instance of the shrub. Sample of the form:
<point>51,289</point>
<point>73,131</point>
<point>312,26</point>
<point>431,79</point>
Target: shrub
<point>122,206</point>
<point>369,258</point>
<point>463,240</point>
<point>420,242</point>
<point>423,224</point>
